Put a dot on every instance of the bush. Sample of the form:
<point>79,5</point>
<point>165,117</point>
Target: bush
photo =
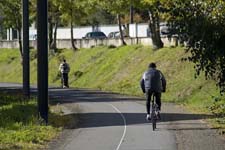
<point>78,74</point>
<point>218,106</point>
<point>111,46</point>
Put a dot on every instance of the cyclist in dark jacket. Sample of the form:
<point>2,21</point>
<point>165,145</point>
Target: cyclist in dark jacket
<point>153,81</point>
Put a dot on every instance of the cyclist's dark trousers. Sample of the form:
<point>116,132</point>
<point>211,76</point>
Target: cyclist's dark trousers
<point>65,79</point>
<point>148,100</point>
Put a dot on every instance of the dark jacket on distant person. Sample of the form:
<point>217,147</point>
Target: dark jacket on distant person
<point>64,67</point>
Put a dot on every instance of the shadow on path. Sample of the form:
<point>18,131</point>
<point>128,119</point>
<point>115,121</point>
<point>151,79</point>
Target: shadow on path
<point>79,95</point>
<point>91,120</point>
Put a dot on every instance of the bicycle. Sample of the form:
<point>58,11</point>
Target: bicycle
<point>154,112</point>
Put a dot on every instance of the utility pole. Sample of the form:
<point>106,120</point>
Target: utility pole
<point>26,61</point>
<point>42,48</point>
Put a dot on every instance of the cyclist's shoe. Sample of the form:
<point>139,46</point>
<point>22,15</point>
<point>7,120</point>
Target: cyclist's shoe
<point>148,117</point>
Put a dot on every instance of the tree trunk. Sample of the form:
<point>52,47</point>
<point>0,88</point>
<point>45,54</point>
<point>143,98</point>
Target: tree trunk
<point>53,44</point>
<point>131,14</point>
<point>71,27</point>
<point>72,38</point>
<point>154,26</point>
<point>20,43</point>
<point>120,29</point>
<point>50,32</point>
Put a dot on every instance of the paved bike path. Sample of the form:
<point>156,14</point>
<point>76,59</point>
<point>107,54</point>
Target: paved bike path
<point>116,122</point>
<point>112,122</point>
<point>105,128</point>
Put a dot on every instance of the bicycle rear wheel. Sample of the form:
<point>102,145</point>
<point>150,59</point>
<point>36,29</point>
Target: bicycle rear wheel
<point>154,116</point>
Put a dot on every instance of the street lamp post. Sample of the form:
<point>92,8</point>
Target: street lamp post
<point>42,47</point>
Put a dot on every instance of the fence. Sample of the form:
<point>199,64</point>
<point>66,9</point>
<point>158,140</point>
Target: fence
<point>87,43</point>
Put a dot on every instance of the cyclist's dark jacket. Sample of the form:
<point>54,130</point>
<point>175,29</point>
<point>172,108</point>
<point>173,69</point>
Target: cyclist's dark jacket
<point>153,80</point>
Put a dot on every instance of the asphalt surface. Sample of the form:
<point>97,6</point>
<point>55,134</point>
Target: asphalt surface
<point>116,122</point>
<point>111,122</point>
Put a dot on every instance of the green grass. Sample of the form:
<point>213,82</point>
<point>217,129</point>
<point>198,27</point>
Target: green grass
<point>120,70</point>
<point>10,64</point>
<point>20,127</point>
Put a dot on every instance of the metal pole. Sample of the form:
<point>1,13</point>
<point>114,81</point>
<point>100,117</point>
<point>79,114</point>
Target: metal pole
<point>42,47</point>
<point>26,62</point>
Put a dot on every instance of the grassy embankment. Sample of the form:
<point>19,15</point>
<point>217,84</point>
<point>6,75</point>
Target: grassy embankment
<point>119,70</point>
<point>20,127</point>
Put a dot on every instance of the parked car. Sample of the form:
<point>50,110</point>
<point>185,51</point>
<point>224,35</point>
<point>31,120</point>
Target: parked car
<point>164,31</point>
<point>95,35</point>
<point>114,34</point>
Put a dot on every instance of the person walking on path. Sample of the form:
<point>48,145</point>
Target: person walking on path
<point>64,69</point>
<point>153,82</point>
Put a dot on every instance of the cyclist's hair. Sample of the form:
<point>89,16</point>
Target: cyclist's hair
<point>152,65</point>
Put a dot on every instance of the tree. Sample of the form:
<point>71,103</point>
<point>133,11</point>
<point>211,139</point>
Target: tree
<point>72,12</point>
<point>137,18</point>
<point>154,8</point>
<point>201,24</point>
<point>118,8</point>
<point>12,17</point>
<point>99,16</point>
<point>53,21</point>
<point>2,29</point>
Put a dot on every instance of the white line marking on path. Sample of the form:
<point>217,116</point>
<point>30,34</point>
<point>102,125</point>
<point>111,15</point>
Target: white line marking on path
<point>125,126</point>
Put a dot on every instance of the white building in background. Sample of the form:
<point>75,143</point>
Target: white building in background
<point>135,30</point>
<point>79,32</point>
<point>139,30</point>
<point>138,33</point>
